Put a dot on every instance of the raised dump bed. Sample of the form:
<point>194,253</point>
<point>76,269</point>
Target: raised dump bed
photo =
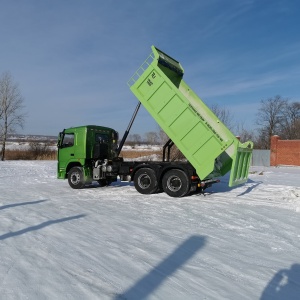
<point>205,141</point>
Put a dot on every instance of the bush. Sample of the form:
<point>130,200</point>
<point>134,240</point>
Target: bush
<point>36,151</point>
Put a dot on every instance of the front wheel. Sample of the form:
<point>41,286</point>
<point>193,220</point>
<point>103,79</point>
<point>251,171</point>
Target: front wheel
<point>75,178</point>
<point>176,183</point>
<point>145,181</point>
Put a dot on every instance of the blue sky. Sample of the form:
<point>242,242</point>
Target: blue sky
<point>72,59</point>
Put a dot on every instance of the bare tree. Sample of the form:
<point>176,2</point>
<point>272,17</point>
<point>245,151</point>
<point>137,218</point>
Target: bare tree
<point>290,127</point>
<point>224,115</point>
<point>39,149</point>
<point>175,153</point>
<point>151,137</point>
<point>244,134</point>
<point>270,117</point>
<point>11,104</point>
<point>133,139</point>
<point>163,138</point>
<point>136,138</point>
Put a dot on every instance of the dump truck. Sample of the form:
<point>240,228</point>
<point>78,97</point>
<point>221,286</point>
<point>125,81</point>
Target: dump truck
<point>92,153</point>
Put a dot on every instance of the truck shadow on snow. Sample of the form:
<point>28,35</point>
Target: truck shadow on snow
<point>254,184</point>
<point>151,281</point>
<point>39,226</point>
<point>223,187</point>
<point>117,183</point>
<point>122,183</point>
<point>284,285</point>
<point>21,204</point>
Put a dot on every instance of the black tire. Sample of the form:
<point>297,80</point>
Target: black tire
<point>176,183</point>
<point>76,178</point>
<point>145,181</point>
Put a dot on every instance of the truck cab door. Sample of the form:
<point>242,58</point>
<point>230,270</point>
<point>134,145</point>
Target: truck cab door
<point>66,152</point>
<point>101,146</point>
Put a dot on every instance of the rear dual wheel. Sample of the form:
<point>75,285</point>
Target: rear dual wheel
<point>145,181</point>
<point>176,183</point>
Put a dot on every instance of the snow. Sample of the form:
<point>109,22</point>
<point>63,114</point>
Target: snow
<point>24,146</point>
<point>142,147</point>
<point>114,243</point>
<point>17,146</point>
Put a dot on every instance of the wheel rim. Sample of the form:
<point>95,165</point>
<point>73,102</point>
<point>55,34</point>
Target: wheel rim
<point>144,181</point>
<point>75,178</point>
<point>174,183</point>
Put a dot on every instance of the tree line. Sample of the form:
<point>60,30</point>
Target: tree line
<point>277,116</point>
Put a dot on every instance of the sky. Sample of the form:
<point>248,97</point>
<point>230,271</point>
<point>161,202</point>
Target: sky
<point>72,59</point>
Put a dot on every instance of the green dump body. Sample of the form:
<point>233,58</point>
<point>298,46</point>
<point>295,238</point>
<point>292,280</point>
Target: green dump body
<point>204,140</point>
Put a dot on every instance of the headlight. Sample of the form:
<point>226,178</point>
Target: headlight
<point>109,169</point>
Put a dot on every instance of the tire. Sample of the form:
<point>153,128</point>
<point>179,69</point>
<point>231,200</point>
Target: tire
<point>176,183</point>
<point>145,181</point>
<point>75,178</point>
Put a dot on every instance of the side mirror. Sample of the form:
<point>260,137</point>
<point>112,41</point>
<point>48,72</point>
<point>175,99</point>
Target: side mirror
<point>59,140</point>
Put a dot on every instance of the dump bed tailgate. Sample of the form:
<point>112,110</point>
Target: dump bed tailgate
<point>241,164</point>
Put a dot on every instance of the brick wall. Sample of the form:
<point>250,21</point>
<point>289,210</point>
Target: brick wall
<point>284,152</point>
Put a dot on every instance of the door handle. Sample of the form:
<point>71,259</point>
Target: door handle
<point>72,154</point>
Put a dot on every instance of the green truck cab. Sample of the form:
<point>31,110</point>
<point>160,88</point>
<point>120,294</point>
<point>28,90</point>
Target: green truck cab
<point>79,148</point>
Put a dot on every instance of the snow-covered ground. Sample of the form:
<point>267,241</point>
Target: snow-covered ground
<point>142,148</point>
<point>114,243</point>
<point>17,146</point>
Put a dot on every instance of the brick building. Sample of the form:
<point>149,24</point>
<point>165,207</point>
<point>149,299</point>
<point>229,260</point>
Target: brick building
<point>284,152</point>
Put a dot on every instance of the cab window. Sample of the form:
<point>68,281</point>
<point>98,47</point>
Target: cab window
<point>68,140</point>
<point>101,138</point>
